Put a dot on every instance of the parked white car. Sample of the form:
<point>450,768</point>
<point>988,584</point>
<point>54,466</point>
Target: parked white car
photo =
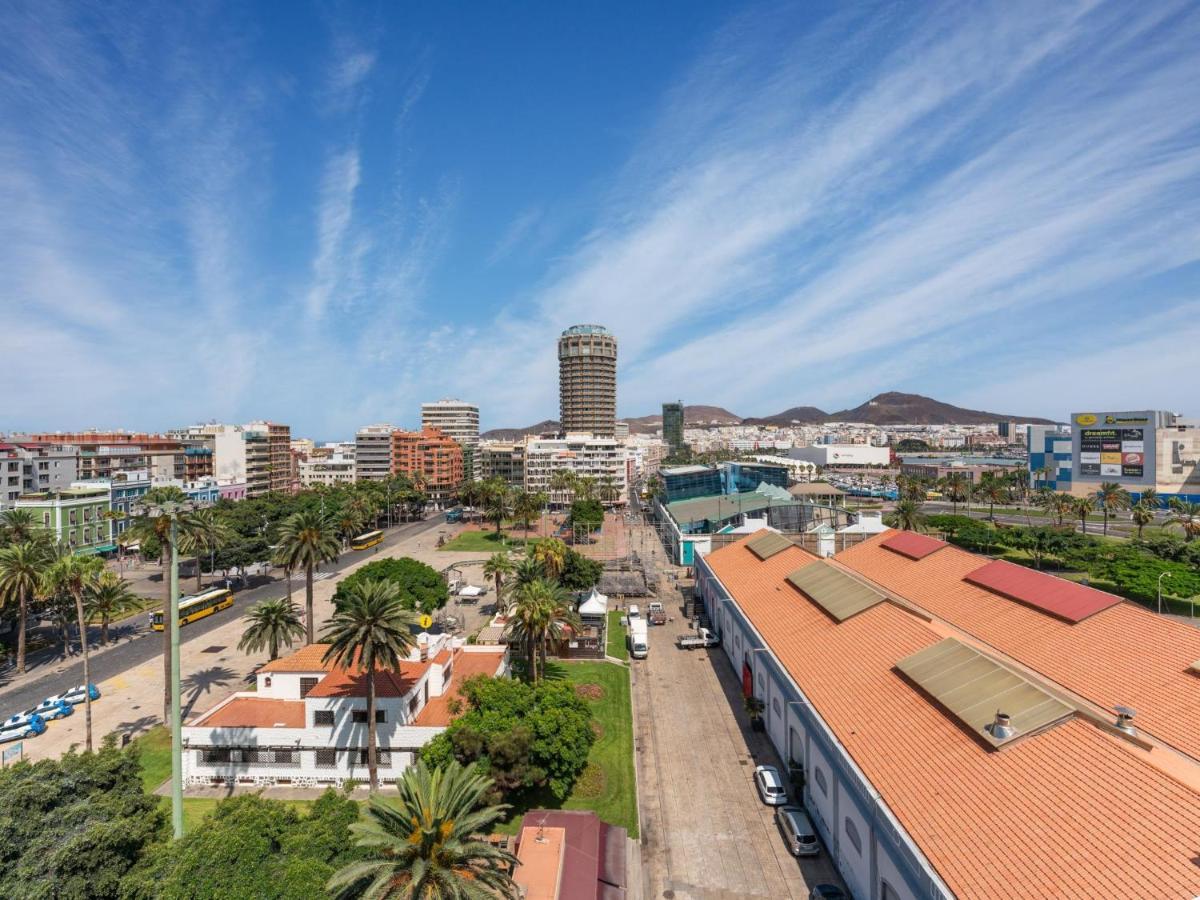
<point>31,728</point>
<point>770,786</point>
<point>75,695</point>
<point>51,709</point>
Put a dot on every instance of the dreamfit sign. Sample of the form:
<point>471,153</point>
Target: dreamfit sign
<point>1114,446</point>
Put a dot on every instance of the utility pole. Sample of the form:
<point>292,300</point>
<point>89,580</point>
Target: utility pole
<point>176,711</point>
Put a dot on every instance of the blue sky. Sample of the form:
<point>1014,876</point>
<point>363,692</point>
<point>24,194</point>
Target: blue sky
<point>324,214</point>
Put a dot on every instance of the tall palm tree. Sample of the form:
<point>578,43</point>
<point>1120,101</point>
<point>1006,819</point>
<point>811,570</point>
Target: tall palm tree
<point>17,525</point>
<point>541,614</point>
<point>498,567</point>
<point>994,490</point>
<point>425,845</point>
<point>558,614</point>
<point>527,569</point>
<point>350,521</point>
<point>497,504</point>
<point>272,622</point>
<point>1110,498</point>
<point>1150,498</point>
<point>76,576</point>
<point>551,553</point>
<point>1186,515</point>
<point>1061,505</point>
<point>158,529</point>
<point>954,486</point>
<point>563,481</point>
<point>370,630</point>
<point>109,598</point>
<point>585,487</point>
<point>307,539</point>
<point>524,623</point>
<point>1083,507</point>
<point>1142,516</point>
<point>908,516</point>
<point>204,531</point>
<point>527,506</point>
<point>21,568</point>
<point>607,490</point>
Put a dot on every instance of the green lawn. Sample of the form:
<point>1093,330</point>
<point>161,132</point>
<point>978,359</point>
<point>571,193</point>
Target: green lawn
<point>155,749</point>
<point>482,542</point>
<point>616,636</point>
<point>608,786</point>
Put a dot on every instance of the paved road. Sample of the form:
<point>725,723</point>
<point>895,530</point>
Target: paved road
<point>146,645</point>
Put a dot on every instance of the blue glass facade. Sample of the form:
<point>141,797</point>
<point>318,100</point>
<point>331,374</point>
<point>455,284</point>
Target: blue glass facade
<point>737,477</point>
<point>1049,457</point>
<point>686,482</point>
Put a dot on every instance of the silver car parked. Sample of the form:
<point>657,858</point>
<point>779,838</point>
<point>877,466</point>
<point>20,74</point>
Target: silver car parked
<point>770,786</point>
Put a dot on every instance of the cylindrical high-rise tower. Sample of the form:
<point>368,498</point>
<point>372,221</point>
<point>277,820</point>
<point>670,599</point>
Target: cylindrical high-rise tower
<point>587,380</point>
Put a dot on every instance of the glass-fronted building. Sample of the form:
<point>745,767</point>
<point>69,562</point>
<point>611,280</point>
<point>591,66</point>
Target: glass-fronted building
<point>686,482</point>
<point>737,477</point>
<point>1050,456</point>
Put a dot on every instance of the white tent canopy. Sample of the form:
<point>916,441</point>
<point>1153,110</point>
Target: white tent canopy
<point>596,604</point>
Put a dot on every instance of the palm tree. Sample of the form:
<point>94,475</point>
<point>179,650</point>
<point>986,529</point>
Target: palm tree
<point>585,487</point>
<point>1150,498</point>
<point>21,568</point>
<point>76,576</point>
<point>372,630</point>
<point>17,526</point>
<point>908,516</point>
<point>498,567</point>
<point>350,521</point>
<point>994,490</point>
<point>954,486</point>
<point>497,504</point>
<point>1061,505</point>
<point>1111,497</point>
<point>1142,516</point>
<point>542,612</point>
<point>158,529</point>
<point>272,622</point>
<point>527,506</point>
<point>563,481</point>
<point>1186,515</point>
<point>1083,507</point>
<point>204,531</point>
<point>425,845</point>
<point>307,539</point>
<point>551,553</point>
<point>524,623</point>
<point>109,598</point>
<point>607,490</point>
<point>527,569</point>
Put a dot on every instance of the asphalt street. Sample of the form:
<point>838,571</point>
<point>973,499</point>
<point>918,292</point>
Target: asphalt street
<point>145,644</point>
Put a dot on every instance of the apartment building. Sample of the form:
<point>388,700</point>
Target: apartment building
<point>327,471</point>
<point>373,452</point>
<point>269,465</point>
<point>602,459</point>
<point>587,380</point>
<point>432,459</point>
<point>458,419</point>
<point>76,517</point>
<point>226,446</point>
<point>306,722</point>
<point>503,460</point>
<point>101,454</point>
<point>28,468</point>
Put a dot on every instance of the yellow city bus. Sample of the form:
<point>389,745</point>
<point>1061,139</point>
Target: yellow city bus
<point>364,541</point>
<point>197,606</point>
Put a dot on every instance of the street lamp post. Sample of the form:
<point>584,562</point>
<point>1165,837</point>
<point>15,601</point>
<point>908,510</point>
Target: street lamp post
<point>1161,576</point>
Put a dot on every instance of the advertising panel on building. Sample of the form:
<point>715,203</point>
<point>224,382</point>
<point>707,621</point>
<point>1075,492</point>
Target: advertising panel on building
<point>1114,446</point>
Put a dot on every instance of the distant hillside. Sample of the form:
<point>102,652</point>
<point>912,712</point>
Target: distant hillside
<point>512,434</point>
<point>692,415</point>
<point>894,408</point>
<point>802,415</point>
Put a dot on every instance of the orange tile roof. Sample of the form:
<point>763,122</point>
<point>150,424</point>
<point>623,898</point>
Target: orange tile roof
<point>477,662</point>
<point>1071,812</point>
<point>1123,655</point>
<point>540,857</point>
<point>256,712</point>
<point>306,659</point>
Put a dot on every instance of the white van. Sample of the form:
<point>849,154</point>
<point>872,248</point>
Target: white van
<point>639,639</point>
<point>797,830</point>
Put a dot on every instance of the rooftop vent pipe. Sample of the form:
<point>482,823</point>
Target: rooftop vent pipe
<point>1001,729</point>
<point>1125,719</point>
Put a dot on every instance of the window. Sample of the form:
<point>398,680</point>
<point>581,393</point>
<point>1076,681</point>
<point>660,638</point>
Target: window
<point>214,755</point>
<point>886,891</point>
<point>326,759</point>
<point>852,835</point>
<point>382,757</point>
<point>360,716</point>
<point>413,705</point>
<point>46,518</point>
<point>307,684</point>
<point>775,706</point>
<point>74,520</point>
<point>819,778</point>
<point>323,717</point>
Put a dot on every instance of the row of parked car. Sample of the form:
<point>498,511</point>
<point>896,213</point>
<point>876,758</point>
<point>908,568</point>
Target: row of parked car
<point>794,824</point>
<point>32,722</point>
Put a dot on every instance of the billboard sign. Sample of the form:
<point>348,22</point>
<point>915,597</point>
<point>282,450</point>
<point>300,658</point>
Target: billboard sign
<point>15,753</point>
<point>1114,446</point>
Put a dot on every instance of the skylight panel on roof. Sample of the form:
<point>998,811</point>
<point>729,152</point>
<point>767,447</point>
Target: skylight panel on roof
<point>992,702</point>
<point>834,591</point>
<point>912,545</point>
<point>766,545</point>
<point>1055,596</point>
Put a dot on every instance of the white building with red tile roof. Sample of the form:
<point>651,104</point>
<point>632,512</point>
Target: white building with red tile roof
<point>960,732</point>
<point>305,724</point>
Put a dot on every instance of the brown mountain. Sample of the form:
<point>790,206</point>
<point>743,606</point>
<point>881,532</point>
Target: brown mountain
<point>802,415</point>
<point>894,408</point>
<point>511,434</point>
<point>693,415</point>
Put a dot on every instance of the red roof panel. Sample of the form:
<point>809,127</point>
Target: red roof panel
<point>1056,596</point>
<point>912,545</point>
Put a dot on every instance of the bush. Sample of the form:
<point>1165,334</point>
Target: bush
<point>421,586</point>
<point>586,515</point>
<point>579,573</point>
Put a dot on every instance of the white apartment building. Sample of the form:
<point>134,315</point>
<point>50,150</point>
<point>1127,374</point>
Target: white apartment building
<point>842,455</point>
<point>600,458</point>
<point>328,471</point>
<point>647,454</point>
<point>306,724</point>
<point>228,444</point>
<point>373,452</point>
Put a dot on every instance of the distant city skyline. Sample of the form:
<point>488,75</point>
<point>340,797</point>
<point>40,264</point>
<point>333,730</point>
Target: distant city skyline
<point>364,208</point>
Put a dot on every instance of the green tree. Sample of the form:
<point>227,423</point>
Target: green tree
<point>17,526</point>
<point>21,568</point>
<point>1186,515</point>
<point>586,516</point>
<point>109,598</point>
<point>419,586</point>
<point>427,845</point>
<point>1038,542</point>
<point>955,486</point>
<point>528,506</point>
<point>526,570</point>
<point>994,490</point>
<point>908,516</point>
<point>204,531</point>
<point>1110,498</point>
<point>1142,515</point>
<point>75,576</point>
<point>370,631</point>
<point>1060,505</point>
<point>306,540</point>
<point>578,572</point>
<point>1083,507</point>
<point>541,613</point>
<point>271,623</point>
<point>497,502</point>
<point>498,567</point>
<point>551,554</point>
<point>73,827</point>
